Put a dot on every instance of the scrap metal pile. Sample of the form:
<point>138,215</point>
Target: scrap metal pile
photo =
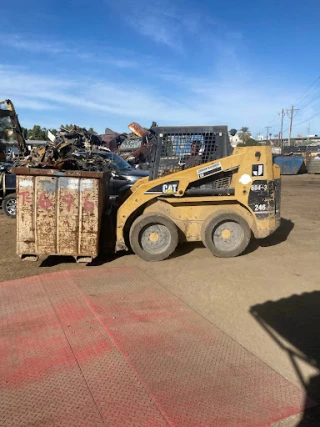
<point>79,149</point>
<point>74,149</point>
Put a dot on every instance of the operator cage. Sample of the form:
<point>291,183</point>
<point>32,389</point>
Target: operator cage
<point>176,148</point>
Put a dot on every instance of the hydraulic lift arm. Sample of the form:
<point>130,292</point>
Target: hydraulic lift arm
<point>11,113</point>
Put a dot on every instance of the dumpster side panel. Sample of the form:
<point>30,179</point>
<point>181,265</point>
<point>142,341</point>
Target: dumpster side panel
<point>60,213</point>
<point>89,217</point>
<point>25,215</point>
<point>45,212</point>
<point>289,165</point>
<point>68,216</point>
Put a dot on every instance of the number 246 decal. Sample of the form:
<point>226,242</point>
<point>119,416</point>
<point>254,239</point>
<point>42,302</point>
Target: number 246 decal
<point>259,208</point>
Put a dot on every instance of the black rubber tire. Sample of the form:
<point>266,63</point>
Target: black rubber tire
<point>212,223</point>
<point>140,224</point>
<point>5,207</point>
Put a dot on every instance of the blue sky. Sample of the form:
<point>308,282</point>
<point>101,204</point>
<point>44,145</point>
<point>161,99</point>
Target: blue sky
<point>106,63</point>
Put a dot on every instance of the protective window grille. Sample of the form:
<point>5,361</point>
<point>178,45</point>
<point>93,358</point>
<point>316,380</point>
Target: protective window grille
<point>175,149</point>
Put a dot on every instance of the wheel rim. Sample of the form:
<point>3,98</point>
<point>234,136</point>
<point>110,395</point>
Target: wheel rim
<point>227,236</point>
<point>155,238</point>
<point>11,207</point>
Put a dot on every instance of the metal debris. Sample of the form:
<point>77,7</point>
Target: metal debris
<point>76,148</point>
<point>112,140</point>
<point>141,155</point>
<point>73,149</point>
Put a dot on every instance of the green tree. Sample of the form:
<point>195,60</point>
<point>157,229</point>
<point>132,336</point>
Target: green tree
<point>244,134</point>
<point>68,127</point>
<point>250,142</point>
<point>24,132</point>
<point>4,128</point>
<point>37,133</point>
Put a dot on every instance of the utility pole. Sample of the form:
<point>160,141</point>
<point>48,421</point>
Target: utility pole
<point>268,127</point>
<point>292,110</point>
<point>308,132</point>
<point>281,132</point>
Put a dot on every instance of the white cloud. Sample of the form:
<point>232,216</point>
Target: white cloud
<point>158,20</point>
<point>22,80</point>
<point>176,25</point>
<point>17,42</point>
<point>236,103</point>
<point>33,104</point>
<point>56,48</point>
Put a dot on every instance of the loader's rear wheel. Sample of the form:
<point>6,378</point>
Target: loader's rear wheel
<point>226,235</point>
<point>153,237</point>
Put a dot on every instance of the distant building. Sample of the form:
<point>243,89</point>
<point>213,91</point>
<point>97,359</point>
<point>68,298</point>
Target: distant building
<point>32,142</point>
<point>234,140</point>
<point>12,145</point>
<point>276,150</point>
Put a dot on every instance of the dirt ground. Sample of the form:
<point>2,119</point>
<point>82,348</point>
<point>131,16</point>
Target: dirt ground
<point>268,299</point>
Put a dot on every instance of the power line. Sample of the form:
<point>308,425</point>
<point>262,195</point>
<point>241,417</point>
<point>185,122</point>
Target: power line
<point>312,103</point>
<point>273,120</point>
<point>310,118</point>
<point>295,111</point>
<point>301,99</point>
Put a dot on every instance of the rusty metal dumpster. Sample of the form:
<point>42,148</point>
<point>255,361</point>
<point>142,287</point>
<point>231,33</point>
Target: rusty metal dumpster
<point>290,165</point>
<point>59,213</point>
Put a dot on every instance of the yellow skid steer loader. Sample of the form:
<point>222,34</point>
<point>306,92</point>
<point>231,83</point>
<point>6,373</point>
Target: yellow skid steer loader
<point>198,191</point>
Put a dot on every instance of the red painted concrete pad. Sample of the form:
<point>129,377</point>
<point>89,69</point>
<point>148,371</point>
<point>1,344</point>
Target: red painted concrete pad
<point>110,346</point>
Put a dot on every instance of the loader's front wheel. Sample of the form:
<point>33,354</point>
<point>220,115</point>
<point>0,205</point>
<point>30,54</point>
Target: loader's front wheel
<point>226,235</point>
<point>153,237</point>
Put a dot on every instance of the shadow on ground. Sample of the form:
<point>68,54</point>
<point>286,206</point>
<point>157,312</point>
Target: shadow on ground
<point>101,259</point>
<point>297,320</point>
<point>186,248</point>
<point>53,260</point>
<point>279,236</point>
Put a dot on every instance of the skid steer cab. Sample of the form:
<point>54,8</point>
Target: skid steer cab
<point>198,191</point>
